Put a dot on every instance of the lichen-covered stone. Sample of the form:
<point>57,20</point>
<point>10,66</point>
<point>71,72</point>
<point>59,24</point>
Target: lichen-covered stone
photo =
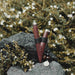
<point>27,41</point>
<point>3,42</point>
<point>24,39</point>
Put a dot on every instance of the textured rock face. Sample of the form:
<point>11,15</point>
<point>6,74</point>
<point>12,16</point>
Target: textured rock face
<point>27,41</point>
<point>54,68</point>
<point>24,39</point>
<point>3,42</point>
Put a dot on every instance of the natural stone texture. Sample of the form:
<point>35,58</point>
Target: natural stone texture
<point>24,39</point>
<point>27,41</point>
<point>54,68</point>
<point>3,42</point>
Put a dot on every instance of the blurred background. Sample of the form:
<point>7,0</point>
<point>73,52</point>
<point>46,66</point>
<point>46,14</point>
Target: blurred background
<point>56,15</point>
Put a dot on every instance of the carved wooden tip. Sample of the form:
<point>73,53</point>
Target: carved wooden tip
<point>47,30</point>
<point>34,22</point>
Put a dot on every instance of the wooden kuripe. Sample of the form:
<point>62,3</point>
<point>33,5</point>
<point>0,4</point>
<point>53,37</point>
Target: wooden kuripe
<point>40,45</point>
<point>37,40</point>
<point>43,43</point>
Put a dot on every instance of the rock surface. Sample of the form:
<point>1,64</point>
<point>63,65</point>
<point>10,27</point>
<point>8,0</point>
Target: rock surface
<point>27,41</point>
<point>3,42</point>
<point>54,68</point>
<point>24,39</point>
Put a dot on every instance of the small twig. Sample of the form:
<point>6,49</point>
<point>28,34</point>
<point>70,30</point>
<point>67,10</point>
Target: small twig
<point>43,4</point>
